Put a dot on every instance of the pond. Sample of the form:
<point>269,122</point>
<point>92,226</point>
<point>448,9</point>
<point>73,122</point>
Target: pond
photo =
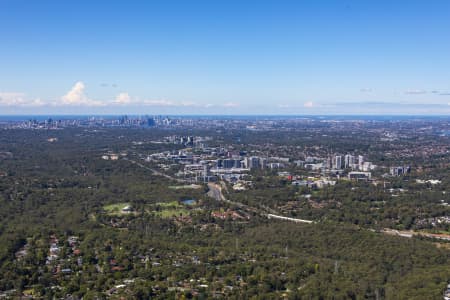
<point>189,202</point>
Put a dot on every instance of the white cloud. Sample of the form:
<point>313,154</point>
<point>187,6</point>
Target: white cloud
<point>230,104</point>
<point>441,92</point>
<point>18,99</point>
<point>11,99</point>
<point>161,102</point>
<point>189,104</point>
<point>284,106</point>
<point>415,92</point>
<point>166,103</point>
<point>77,96</point>
<point>308,104</point>
<point>123,98</point>
<point>37,102</point>
<point>366,90</point>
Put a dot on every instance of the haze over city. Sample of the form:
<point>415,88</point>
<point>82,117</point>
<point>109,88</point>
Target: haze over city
<point>224,57</point>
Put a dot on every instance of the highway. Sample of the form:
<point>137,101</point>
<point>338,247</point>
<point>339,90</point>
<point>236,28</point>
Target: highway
<point>156,172</point>
<point>215,191</point>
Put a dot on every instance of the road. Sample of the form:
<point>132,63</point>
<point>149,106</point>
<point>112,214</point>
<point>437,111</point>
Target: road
<point>410,234</point>
<point>295,220</point>
<point>156,172</point>
<point>215,191</point>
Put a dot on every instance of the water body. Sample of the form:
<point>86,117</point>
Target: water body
<point>189,202</point>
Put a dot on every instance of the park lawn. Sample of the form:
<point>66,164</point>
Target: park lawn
<point>189,186</point>
<point>167,205</point>
<point>168,213</point>
<point>116,208</point>
<point>170,209</point>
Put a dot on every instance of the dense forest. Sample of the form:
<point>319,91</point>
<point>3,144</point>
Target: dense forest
<point>74,225</point>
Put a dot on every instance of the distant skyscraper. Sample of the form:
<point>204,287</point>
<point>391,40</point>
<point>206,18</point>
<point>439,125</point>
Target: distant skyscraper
<point>349,161</point>
<point>205,172</point>
<point>263,163</point>
<point>338,162</point>
<point>360,162</point>
<point>329,164</point>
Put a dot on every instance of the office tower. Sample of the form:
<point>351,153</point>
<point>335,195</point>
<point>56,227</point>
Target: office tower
<point>338,162</point>
<point>349,160</point>
<point>360,161</point>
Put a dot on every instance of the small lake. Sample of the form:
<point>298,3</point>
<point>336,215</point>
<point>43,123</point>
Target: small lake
<point>189,202</point>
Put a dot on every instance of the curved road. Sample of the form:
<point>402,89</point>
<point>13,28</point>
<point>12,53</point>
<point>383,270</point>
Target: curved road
<point>215,191</point>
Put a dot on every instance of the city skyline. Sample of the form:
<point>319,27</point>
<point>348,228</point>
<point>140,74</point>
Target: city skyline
<point>257,57</point>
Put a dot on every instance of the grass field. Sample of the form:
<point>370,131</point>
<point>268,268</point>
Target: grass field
<point>115,209</point>
<point>161,209</point>
<point>169,209</point>
<point>172,204</point>
<point>189,186</point>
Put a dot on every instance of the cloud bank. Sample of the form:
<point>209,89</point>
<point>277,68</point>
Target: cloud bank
<point>18,99</point>
<point>123,98</point>
<point>76,96</point>
<point>77,100</point>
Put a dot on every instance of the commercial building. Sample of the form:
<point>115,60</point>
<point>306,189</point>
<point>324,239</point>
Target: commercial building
<point>359,175</point>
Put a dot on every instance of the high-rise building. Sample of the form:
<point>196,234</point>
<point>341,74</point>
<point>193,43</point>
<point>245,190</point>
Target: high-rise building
<point>367,166</point>
<point>205,172</point>
<point>398,171</point>
<point>360,162</point>
<point>252,162</point>
<point>349,160</point>
<point>329,163</point>
<point>228,163</point>
<point>190,140</point>
<point>219,163</point>
<point>263,163</point>
<point>338,162</point>
<point>237,163</point>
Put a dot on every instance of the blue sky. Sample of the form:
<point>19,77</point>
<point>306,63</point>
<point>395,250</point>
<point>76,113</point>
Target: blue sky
<point>224,57</point>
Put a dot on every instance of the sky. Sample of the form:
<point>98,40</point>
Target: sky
<point>225,57</point>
